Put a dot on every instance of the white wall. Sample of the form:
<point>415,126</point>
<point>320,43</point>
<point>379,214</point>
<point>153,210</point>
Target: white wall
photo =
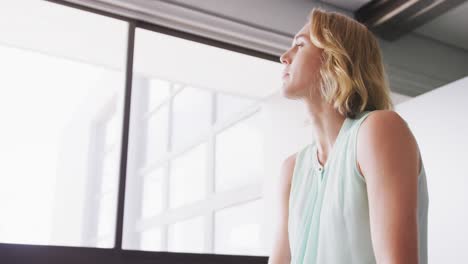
<point>439,122</point>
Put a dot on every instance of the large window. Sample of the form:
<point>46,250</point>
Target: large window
<point>193,158</point>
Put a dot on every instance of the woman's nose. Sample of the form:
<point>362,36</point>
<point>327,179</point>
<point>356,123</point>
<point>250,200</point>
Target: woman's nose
<point>283,58</point>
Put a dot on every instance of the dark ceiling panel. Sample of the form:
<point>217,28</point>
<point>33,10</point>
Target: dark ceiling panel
<point>392,19</point>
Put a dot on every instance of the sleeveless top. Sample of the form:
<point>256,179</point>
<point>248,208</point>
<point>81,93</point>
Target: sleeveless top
<point>328,206</point>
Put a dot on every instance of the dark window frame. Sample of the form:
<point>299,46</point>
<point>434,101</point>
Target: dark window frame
<point>23,253</point>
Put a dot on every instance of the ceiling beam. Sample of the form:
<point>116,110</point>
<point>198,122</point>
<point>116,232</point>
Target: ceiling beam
<point>392,19</point>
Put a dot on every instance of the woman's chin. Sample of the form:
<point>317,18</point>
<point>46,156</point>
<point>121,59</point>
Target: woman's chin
<point>288,94</point>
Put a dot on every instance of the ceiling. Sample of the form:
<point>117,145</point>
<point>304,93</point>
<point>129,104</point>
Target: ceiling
<point>351,5</point>
<point>449,28</point>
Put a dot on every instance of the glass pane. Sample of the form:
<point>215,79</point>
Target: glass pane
<point>194,73</point>
<point>107,216</point>
<point>157,135</point>
<point>192,116</point>
<point>187,236</point>
<point>204,66</point>
<point>228,105</point>
<point>188,177</point>
<point>61,106</point>
<point>113,131</point>
<point>159,91</point>
<point>151,239</point>
<point>245,140</point>
<point>110,171</point>
<point>105,242</point>
<point>238,229</point>
<point>153,193</point>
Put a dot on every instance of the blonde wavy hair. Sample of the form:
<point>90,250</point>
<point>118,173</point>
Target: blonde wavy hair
<point>352,75</point>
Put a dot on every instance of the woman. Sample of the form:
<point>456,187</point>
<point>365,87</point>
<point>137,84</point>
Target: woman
<point>358,193</point>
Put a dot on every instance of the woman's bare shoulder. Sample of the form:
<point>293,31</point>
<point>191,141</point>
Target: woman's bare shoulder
<point>385,137</point>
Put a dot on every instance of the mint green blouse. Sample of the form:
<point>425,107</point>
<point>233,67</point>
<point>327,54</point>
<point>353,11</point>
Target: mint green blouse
<point>328,206</point>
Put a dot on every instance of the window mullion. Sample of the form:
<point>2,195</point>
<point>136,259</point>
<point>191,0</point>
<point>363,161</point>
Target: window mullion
<point>125,135</point>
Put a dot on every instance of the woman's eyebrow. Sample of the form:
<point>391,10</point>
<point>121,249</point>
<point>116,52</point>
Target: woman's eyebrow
<point>299,36</point>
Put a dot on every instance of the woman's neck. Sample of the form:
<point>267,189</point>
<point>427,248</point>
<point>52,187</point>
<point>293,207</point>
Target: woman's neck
<point>326,124</point>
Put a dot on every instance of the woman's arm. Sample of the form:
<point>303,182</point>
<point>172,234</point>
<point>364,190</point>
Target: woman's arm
<point>388,158</point>
<point>281,253</point>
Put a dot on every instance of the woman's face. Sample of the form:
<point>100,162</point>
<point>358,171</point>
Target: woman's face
<point>302,64</point>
